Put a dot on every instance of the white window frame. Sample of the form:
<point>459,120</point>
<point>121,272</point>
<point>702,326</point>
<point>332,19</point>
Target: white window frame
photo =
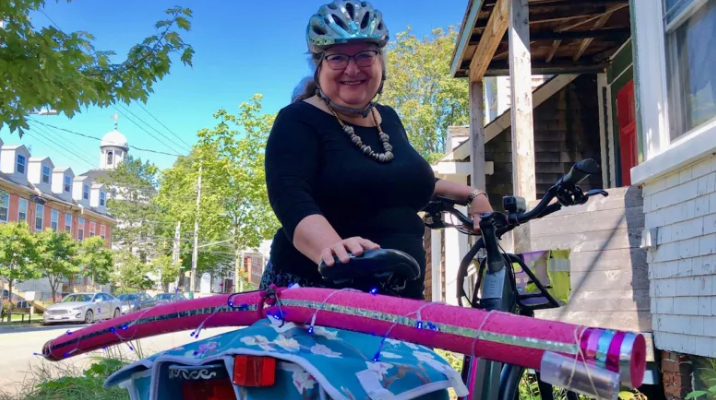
<point>5,203</point>
<point>103,232</point>
<point>85,192</point>
<point>68,223</point>
<point>661,155</point>
<point>22,206</point>
<point>80,229</point>
<point>45,168</point>
<point>54,219</point>
<point>92,228</point>
<point>39,217</point>
<point>102,199</point>
<point>67,184</point>
<point>22,164</point>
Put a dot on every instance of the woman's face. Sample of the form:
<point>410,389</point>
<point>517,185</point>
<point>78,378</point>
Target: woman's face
<point>351,74</point>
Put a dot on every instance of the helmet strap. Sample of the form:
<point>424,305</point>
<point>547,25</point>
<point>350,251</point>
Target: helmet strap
<point>349,110</point>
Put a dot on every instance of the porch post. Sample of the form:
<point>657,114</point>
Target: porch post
<point>477,135</point>
<point>523,150</point>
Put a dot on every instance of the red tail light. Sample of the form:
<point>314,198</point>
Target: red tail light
<point>254,371</point>
<point>215,389</point>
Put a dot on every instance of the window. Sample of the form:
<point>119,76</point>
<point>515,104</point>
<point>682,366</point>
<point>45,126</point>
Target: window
<point>20,167</point>
<point>80,228</point>
<point>4,206</point>
<point>103,232</point>
<point>55,220</point>
<point>22,210</point>
<point>92,228</point>
<point>102,198</point>
<point>109,157</point>
<point>45,174</point>
<point>39,216</point>
<point>68,223</point>
<point>690,53</point>
<point>68,183</point>
<point>85,192</point>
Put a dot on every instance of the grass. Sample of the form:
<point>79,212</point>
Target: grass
<point>52,381</point>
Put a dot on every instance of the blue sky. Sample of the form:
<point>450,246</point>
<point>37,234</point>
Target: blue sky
<point>242,47</point>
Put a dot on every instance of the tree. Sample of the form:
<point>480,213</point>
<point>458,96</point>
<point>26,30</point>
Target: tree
<point>63,71</point>
<point>18,255</point>
<point>133,184</point>
<point>167,269</point>
<point>96,260</point>
<point>132,273</point>
<point>56,257</point>
<point>234,201</point>
<point>422,91</point>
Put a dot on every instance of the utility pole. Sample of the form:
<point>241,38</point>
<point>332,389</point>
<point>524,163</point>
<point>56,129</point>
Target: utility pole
<point>195,253</point>
<point>175,250</point>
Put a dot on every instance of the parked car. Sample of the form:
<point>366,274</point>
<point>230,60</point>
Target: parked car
<point>83,307</point>
<point>163,298</point>
<point>132,302</point>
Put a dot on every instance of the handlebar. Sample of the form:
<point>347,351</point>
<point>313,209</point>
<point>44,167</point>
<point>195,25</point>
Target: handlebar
<point>565,191</point>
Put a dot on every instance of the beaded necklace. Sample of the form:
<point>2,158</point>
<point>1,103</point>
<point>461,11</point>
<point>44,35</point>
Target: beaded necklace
<point>385,157</point>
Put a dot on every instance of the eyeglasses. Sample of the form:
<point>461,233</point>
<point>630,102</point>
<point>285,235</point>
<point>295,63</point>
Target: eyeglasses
<point>365,58</point>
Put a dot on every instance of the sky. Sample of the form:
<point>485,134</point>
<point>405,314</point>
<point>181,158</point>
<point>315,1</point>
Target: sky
<point>242,48</point>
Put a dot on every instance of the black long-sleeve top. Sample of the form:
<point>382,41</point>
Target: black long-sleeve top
<point>312,167</point>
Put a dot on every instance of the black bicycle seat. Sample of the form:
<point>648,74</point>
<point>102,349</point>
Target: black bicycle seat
<point>379,263</point>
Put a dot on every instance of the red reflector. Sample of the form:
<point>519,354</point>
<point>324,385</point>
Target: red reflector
<point>215,389</point>
<point>254,371</point>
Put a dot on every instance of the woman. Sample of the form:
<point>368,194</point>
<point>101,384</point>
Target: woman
<point>341,174</point>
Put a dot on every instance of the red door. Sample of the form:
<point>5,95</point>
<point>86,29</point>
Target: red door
<point>626,116</point>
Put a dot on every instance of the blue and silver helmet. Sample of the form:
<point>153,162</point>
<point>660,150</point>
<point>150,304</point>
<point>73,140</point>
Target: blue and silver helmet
<point>344,21</point>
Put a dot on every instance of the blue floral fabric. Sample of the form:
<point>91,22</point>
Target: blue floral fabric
<point>334,363</point>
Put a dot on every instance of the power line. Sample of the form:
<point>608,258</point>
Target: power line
<point>160,123</point>
<point>99,139</point>
<point>48,138</point>
<point>142,128</point>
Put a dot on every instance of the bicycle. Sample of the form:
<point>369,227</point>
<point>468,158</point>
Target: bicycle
<point>499,291</point>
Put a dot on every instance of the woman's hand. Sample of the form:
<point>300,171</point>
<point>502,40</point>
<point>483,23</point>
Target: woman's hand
<point>480,204</point>
<point>355,245</point>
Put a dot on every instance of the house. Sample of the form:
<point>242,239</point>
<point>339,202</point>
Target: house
<point>630,87</point>
<point>33,190</point>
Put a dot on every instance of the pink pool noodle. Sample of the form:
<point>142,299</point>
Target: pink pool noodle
<point>509,324</point>
<point>62,347</point>
<point>436,313</point>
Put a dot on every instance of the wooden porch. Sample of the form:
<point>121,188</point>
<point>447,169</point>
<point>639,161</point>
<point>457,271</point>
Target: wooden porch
<point>544,132</point>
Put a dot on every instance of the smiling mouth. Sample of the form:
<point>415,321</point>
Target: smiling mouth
<point>353,83</point>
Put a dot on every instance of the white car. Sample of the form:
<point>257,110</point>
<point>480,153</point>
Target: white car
<point>83,307</point>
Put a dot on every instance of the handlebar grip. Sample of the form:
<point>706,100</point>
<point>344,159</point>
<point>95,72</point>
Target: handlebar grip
<point>580,171</point>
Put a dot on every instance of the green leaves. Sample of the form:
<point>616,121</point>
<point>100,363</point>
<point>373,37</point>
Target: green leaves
<point>420,88</point>
<point>47,67</point>
<point>56,252</point>
<point>96,260</point>
<point>234,200</point>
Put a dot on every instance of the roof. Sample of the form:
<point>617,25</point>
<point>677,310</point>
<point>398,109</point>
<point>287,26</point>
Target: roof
<point>114,138</point>
<point>96,174</point>
<point>566,36</point>
<point>34,190</point>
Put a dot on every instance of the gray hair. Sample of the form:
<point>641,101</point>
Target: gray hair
<point>308,86</point>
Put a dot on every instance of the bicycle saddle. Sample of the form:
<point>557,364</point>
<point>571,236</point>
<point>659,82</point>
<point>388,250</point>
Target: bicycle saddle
<point>379,263</point>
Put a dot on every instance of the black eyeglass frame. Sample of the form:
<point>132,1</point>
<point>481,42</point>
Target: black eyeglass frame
<point>344,62</point>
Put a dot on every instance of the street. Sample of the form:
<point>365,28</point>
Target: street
<point>17,346</point>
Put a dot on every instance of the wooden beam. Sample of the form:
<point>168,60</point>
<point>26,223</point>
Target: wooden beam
<point>564,3</point>
<point>555,16</point>
<point>556,67</point>
<point>490,40</point>
<point>610,10</point>
<point>597,25</point>
<point>477,135</point>
<point>553,50</point>
<point>612,33</point>
<point>523,147</point>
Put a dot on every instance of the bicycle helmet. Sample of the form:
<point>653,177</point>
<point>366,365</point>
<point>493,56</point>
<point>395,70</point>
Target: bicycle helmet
<point>344,21</point>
